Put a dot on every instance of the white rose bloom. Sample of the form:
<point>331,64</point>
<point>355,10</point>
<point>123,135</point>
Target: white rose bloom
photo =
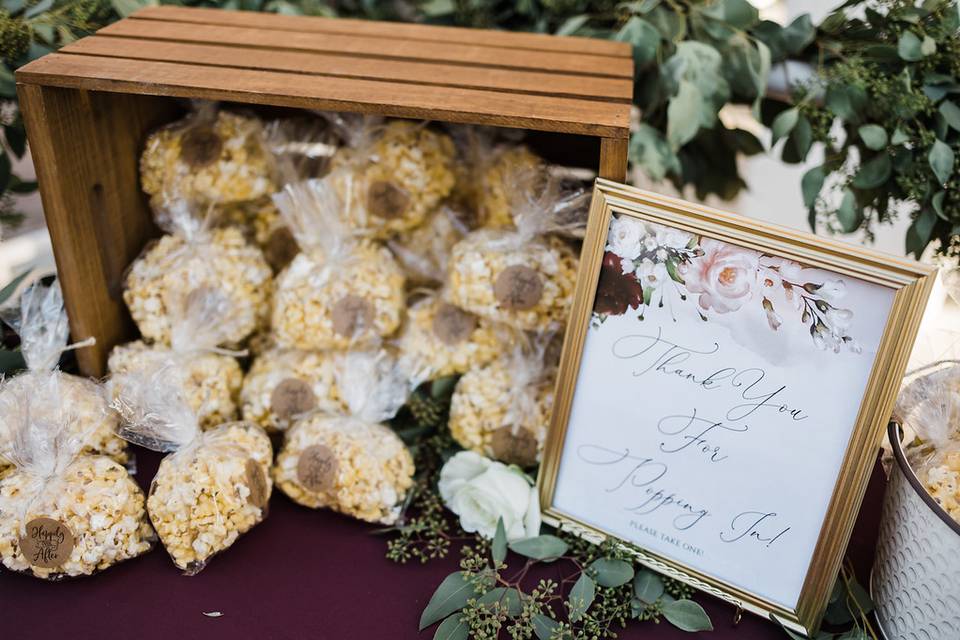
<point>652,274</point>
<point>672,238</point>
<point>650,243</point>
<point>481,491</point>
<point>624,237</point>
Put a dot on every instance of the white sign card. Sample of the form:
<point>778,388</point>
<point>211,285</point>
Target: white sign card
<point>718,389</point>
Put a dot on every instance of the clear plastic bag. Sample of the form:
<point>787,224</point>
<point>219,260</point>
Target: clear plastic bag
<point>423,252</point>
<point>523,277</point>
<point>212,487</point>
<point>502,410</point>
<point>41,321</point>
<point>62,513</point>
<point>391,175</point>
<point>209,376</point>
<point>352,463</point>
<point>342,290</point>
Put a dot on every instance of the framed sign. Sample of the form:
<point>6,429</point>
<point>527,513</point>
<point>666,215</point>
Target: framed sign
<point>722,392</point>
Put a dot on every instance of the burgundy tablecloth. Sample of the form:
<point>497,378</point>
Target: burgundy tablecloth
<point>301,574</point>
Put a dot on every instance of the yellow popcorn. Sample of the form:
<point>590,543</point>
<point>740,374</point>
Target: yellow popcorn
<point>503,410</point>
<point>341,291</point>
<point>943,483</point>
<point>181,265</point>
<point>261,225</point>
<point>440,339</point>
<point>352,463</point>
<point>212,488</point>
<point>510,168</point>
<point>392,176</point>
<point>209,157</point>
<point>283,384</point>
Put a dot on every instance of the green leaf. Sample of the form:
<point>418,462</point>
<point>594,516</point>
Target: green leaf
<point>499,546</point>
<point>687,615</point>
<point>609,572</point>
<point>442,388</point>
<point>544,626</point>
<point>854,634</point>
<point>643,36</point>
<point>671,24</point>
<point>5,173</point>
<point>847,214</point>
<point>41,7</point>
<point>798,34</point>
<point>920,230</point>
<point>928,47</point>
<point>802,137</point>
<point>899,137</point>
<point>545,547</point>
<point>453,628</point>
<point>937,202</point>
<point>683,115</point>
<point>846,101</point>
<point>647,586</point>
<point>951,113</point>
<point>450,596</point>
<point>581,597</point>
<point>860,595</point>
<point>16,137</point>
<point>790,634</point>
<point>649,149</point>
<point>784,123</point>
<point>737,13</point>
<point>811,184</point>
<point>874,172</point>
<point>941,161</point>
<point>11,287</point>
<point>126,7</point>
<point>508,598</point>
<point>874,136</point>
<point>910,47</point>
<point>570,25</point>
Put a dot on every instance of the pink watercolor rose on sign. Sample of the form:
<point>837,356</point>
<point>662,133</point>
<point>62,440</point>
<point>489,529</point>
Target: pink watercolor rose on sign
<point>725,276</point>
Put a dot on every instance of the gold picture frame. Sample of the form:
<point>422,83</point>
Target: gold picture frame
<point>911,284</point>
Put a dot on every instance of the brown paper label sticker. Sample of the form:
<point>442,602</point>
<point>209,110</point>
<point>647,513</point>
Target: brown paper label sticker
<point>257,483</point>
<point>352,315</point>
<point>387,200</point>
<point>453,325</point>
<point>317,468</point>
<point>47,543</point>
<point>280,249</point>
<point>200,146</point>
<point>292,397</point>
<point>518,448</point>
<point>518,287</point>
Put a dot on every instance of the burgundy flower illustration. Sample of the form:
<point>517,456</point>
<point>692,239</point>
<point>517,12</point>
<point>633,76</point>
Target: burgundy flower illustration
<point>616,291</point>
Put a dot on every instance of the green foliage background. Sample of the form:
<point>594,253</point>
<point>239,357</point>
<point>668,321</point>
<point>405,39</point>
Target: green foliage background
<point>881,101</point>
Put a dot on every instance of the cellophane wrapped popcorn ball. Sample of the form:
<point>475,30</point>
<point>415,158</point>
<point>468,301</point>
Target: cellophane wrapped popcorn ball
<point>391,175</point>
<point>352,463</point>
<point>209,157</point>
<point>502,410</point>
<point>63,513</point>
<point>191,258</point>
<point>41,321</point>
<point>930,405</point>
<point>283,384</point>
<point>208,375</point>
<point>523,277</point>
<point>423,251</point>
<point>213,486</point>
<point>498,182</point>
<point>342,290</point>
<point>440,339</point>
<point>262,226</point>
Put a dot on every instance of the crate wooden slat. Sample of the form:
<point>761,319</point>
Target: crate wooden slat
<point>89,107</point>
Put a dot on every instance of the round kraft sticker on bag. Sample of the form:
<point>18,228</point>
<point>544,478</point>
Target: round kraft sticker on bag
<point>518,448</point>
<point>351,315</point>
<point>200,147</point>
<point>452,325</point>
<point>280,249</point>
<point>518,287</point>
<point>47,543</point>
<point>257,483</point>
<point>292,397</point>
<point>317,468</point>
<point>386,200</point>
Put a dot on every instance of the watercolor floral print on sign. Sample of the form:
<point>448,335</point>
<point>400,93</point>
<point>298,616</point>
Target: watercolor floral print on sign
<point>647,267</point>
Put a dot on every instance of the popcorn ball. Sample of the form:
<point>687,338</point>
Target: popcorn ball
<point>352,463</point>
<point>503,410</point>
<point>41,321</point>
<point>499,178</point>
<point>195,263</point>
<point>212,488</point>
<point>341,291</point>
<point>261,225</point>
<point>423,252</point>
<point>440,339</point>
<point>283,384</point>
<point>943,483</point>
<point>209,157</point>
<point>392,176</point>
<point>63,513</point>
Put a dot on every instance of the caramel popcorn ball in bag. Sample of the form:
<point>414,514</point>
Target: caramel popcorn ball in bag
<point>210,157</point>
<point>353,464</point>
<point>192,258</point>
<point>283,384</point>
<point>261,225</point>
<point>391,176</point>
<point>209,376</point>
<point>215,484</point>
<point>503,410</point>
<point>41,321</point>
<point>341,291</point>
<point>63,513</point>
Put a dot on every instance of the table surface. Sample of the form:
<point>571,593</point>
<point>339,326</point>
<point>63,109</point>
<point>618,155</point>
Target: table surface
<point>299,574</point>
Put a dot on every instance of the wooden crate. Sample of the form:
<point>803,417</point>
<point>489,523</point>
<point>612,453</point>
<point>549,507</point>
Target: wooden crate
<point>89,107</point>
